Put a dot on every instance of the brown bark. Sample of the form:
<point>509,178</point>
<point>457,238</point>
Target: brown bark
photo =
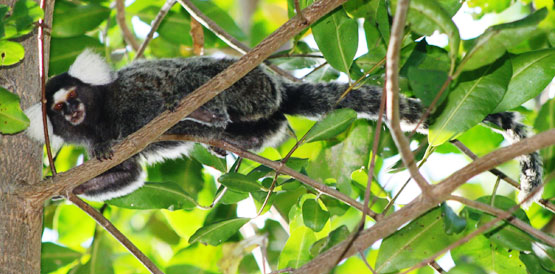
<point>20,165</point>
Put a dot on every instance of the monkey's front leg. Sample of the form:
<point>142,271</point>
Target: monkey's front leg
<point>117,181</point>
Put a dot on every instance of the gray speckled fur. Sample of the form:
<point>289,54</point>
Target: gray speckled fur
<point>250,113</point>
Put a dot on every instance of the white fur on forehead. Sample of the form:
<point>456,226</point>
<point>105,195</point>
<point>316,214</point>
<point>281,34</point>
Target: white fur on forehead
<point>36,130</point>
<point>91,68</point>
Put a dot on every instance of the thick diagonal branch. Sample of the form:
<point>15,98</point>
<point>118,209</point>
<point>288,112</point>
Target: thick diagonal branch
<point>140,139</point>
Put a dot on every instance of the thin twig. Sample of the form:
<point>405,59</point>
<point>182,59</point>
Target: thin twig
<point>363,258</point>
<point>514,221</point>
<point>439,192</point>
<point>502,215</point>
<point>120,18</point>
<point>436,267</point>
<point>366,206</point>
<point>298,10</point>
<point>288,269</point>
<point>278,166</point>
<point>315,69</point>
<point>494,171</point>
<point>542,202</point>
<point>432,105</point>
<point>226,37</point>
<point>197,34</point>
<point>154,26</point>
<point>355,84</point>
<point>288,55</point>
<point>392,89</point>
<point>42,74</point>
<point>106,224</point>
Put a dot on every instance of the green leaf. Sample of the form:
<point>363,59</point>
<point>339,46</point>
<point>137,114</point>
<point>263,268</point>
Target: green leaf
<point>466,268</point>
<point>196,259</point>
<point>63,51</point>
<point>532,72</point>
<point>10,53</point>
<point>336,35</point>
<point>221,17</point>
<point>25,13</point>
<point>101,259</point>
<point>333,124</point>
<point>506,235</point>
<point>12,119</point>
<point>201,154</point>
<point>296,251</point>
<point>3,10</point>
<point>73,225</point>
<point>453,223</point>
<point>156,196</point>
<point>351,154</point>
<point>336,236</point>
<point>534,264</point>
<point>426,84</point>
<point>426,69</point>
<point>415,242</point>
<point>545,121</point>
<point>427,16</point>
<point>172,28</point>
<point>239,182</point>
<point>314,216</point>
<point>475,96</point>
<point>54,256</point>
<point>495,41</point>
<point>488,6</point>
<point>219,232</point>
<point>480,139</point>
<point>361,8</point>
<point>74,20</point>
<point>382,18</point>
<point>492,258</point>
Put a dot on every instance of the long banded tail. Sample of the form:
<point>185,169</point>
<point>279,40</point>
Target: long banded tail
<point>314,100</point>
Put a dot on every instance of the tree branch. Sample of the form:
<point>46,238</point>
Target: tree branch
<point>226,37</point>
<point>140,139</point>
<point>127,34</point>
<point>544,203</point>
<point>392,91</point>
<point>502,215</point>
<point>106,224</point>
<point>388,225</point>
<point>515,221</point>
<point>278,166</point>
<point>154,26</point>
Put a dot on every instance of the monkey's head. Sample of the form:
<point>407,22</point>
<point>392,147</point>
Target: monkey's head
<point>70,95</point>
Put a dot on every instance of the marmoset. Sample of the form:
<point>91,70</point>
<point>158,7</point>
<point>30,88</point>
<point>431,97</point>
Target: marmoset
<point>93,106</point>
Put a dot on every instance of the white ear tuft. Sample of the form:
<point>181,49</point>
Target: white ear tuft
<point>91,68</point>
<point>36,130</point>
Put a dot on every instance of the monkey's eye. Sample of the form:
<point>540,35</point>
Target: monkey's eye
<point>58,106</point>
<point>72,94</point>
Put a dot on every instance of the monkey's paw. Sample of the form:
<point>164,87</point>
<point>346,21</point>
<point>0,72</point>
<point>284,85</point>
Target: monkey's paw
<point>103,151</point>
<point>218,151</point>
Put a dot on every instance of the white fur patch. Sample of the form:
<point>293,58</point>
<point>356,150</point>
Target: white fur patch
<point>120,192</point>
<point>91,68</point>
<point>277,138</point>
<point>36,129</point>
<point>160,155</point>
<point>60,95</point>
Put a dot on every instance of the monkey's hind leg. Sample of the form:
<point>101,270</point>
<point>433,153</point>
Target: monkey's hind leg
<point>117,181</point>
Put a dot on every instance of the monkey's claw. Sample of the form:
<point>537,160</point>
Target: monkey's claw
<point>103,151</point>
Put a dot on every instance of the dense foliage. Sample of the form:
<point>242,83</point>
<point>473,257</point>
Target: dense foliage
<point>197,214</point>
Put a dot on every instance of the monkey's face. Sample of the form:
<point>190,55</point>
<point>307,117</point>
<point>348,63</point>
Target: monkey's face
<point>67,103</point>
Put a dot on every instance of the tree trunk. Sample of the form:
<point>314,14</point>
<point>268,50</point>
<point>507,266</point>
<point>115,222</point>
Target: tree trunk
<point>20,165</point>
